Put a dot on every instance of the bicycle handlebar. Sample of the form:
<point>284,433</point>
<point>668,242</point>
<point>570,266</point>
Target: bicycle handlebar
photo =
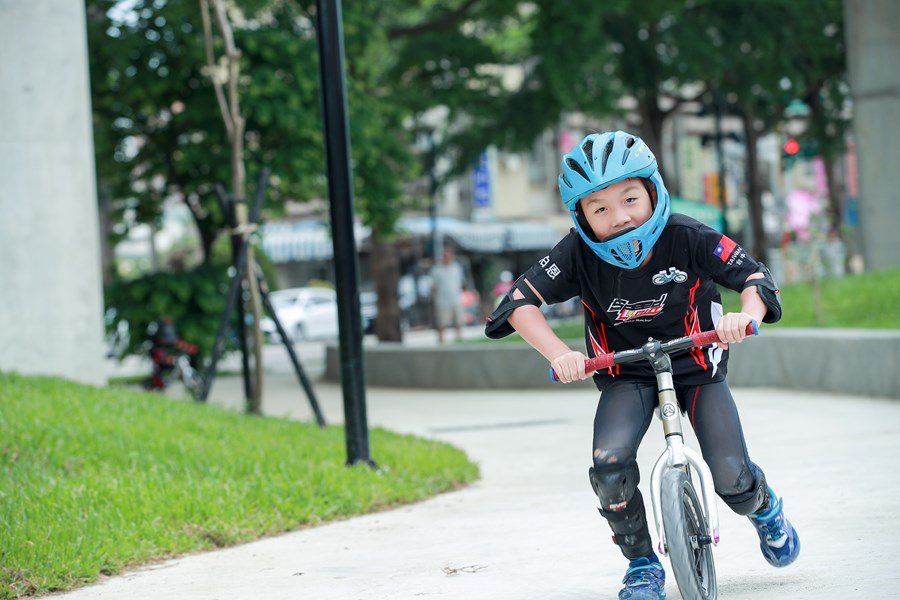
<point>696,340</point>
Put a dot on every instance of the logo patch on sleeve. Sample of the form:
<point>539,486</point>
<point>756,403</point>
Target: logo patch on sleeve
<point>725,248</point>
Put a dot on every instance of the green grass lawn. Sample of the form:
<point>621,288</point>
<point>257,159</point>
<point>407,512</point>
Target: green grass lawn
<point>868,301</point>
<point>95,480</point>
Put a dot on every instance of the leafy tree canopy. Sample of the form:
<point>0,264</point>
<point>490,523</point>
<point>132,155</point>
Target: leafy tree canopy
<point>502,70</point>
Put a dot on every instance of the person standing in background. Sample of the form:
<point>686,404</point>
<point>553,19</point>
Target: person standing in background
<point>447,285</point>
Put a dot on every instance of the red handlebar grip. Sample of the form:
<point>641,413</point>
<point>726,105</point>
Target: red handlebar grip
<point>705,338</point>
<point>604,361</point>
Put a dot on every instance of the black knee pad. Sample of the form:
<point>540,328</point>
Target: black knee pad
<point>615,483</point>
<point>629,526</point>
<point>622,505</point>
<point>750,501</point>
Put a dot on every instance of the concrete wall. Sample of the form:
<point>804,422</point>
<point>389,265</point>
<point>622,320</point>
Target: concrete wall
<point>51,303</point>
<point>850,362</point>
<point>873,53</point>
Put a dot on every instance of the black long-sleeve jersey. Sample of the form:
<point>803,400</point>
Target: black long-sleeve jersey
<point>672,295</point>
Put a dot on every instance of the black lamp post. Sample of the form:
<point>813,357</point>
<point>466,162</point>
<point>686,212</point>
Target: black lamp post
<point>340,191</point>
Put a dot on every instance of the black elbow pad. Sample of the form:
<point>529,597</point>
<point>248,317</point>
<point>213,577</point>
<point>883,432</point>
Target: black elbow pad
<point>769,292</point>
<point>498,325</point>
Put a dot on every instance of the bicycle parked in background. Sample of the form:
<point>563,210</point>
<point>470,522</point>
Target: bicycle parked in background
<point>182,372</point>
<point>172,359</point>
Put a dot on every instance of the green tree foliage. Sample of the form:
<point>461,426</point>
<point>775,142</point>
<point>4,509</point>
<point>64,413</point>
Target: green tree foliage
<point>153,111</point>
<point>159,129</point>
<point>156,114</point>
<point>156,119</point>
<point>761,60</point>
<point>758,56</point>
<point>502,71</point>
<point>650,44</point>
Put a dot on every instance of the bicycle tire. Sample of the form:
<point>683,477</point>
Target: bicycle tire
<point>684,522</point>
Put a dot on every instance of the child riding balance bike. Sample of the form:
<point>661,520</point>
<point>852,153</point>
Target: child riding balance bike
<point>643,272</point>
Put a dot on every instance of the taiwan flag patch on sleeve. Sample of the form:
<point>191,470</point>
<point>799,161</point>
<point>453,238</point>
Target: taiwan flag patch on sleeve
<point>725,248</point>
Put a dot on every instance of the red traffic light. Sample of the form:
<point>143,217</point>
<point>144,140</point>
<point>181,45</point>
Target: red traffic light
<point>791,147</point>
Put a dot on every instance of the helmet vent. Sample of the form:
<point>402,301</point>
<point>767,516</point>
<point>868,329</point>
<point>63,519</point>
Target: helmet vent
<point>606,152</point>
<point>572,164</point>
<point>588,149</point>
<point>628,144</point>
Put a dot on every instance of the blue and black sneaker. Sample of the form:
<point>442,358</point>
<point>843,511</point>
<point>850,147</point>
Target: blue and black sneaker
<point>645,579</point>
<point>778,541</point>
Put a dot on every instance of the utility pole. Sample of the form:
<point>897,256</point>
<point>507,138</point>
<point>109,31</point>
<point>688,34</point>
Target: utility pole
<point>340,192</point>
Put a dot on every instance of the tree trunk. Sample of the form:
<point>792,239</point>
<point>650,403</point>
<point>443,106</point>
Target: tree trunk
<point>759,246</point>
<point>830,150</point>
<point>229,106</point>
<point>239,185</point>
<point>835,200</point>
<point>652,120</point>
<point>386,274</point>
<point>206,243</point>
<point>107,252</point>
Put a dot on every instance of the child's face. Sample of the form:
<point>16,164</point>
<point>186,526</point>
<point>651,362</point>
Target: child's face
<point>621,206</point>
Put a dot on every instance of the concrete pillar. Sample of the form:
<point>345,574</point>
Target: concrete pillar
<point>873,56</point>
<point>51,299</point>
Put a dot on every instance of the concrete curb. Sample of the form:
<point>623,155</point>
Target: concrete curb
<point>846,361</point>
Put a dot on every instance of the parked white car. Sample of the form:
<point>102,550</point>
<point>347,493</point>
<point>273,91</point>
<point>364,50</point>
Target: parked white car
<point>306,313</point>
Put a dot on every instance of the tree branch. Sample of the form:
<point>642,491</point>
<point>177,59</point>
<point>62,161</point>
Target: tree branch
<point>233,55</point>
<point>236,132</point>
<point>211,63</point>
<point>451,18</point>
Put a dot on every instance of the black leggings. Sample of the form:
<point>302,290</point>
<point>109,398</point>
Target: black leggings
<point>626,408</point>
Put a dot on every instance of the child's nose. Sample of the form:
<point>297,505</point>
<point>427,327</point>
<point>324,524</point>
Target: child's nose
<point>621,217</point>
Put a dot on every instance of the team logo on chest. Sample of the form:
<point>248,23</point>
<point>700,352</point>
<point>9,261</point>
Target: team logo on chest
<point>673,274</point>
<point>625,310</point>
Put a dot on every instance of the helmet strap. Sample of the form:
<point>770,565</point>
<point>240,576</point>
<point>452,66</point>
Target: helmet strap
<point>583,223</point>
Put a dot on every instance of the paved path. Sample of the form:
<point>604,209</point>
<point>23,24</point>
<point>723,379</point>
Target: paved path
<point>529,530</point>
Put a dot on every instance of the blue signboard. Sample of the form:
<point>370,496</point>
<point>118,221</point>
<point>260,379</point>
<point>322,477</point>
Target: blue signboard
<point>481,182</point>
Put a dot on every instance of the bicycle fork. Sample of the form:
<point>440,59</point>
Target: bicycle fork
<point>678,455</point>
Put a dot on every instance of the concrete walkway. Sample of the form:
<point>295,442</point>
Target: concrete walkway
<point>528,529</point>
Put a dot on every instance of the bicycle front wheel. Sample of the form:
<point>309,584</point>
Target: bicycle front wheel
<point>688,544</point>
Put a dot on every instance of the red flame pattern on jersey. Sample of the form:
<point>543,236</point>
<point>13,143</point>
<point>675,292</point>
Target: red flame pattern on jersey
<point>600,346</point>
<point>692,326</point>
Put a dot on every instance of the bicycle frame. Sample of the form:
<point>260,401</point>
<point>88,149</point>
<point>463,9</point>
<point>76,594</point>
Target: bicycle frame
<point>693,521</point>
<point>678,455</point>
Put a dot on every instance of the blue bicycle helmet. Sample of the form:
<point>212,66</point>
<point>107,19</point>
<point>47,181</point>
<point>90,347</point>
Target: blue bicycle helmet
<point>599,161</point>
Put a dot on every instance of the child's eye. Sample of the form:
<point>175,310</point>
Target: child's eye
<point>599,210</point>
<point>630,200</point>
